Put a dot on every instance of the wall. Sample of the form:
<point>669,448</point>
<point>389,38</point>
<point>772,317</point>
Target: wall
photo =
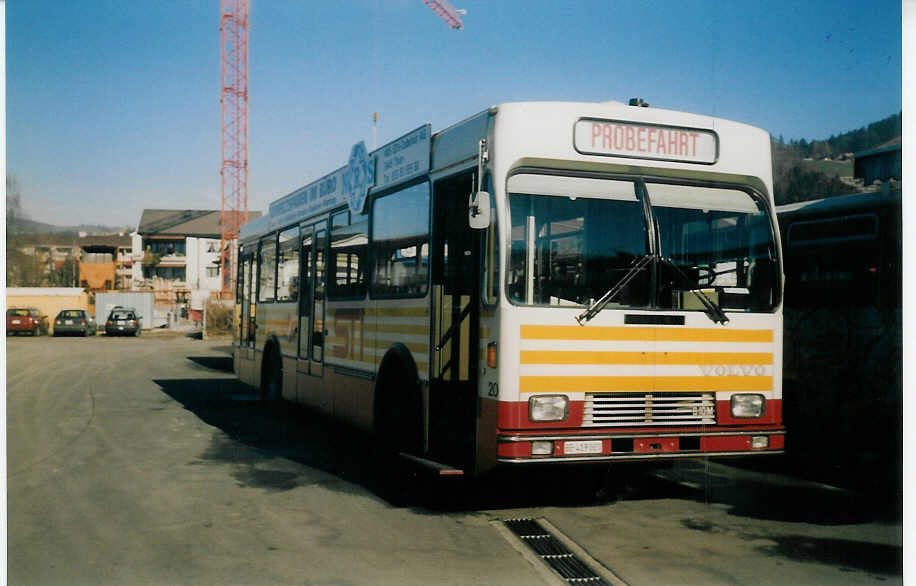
<point>49,300</point>
<point>95,275</point>
<point>202,253</point>
<point>142,302</point>
<point>136,243</point>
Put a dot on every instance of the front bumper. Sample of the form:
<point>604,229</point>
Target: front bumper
<point>650,445</point>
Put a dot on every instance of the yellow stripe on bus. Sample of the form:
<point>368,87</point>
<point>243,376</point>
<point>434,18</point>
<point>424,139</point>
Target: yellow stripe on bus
<point>416,348</point>
<point>570,384</point>
<point>402,312</point>
<point>590,357</point>
<point>422,330</point>
<point>620,333</point>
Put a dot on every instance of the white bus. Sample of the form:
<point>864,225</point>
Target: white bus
<point>540,283</point>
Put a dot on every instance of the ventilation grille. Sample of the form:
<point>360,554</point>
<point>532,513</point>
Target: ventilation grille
<point>645,409</point>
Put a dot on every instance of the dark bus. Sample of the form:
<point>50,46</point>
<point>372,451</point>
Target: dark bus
<point>843,341</point>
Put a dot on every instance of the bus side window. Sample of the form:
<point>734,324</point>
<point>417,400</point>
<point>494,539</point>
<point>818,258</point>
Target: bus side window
<point>288,266</point>
<point>347,261</point>
<point>268,269</point>
<point>400,243</point>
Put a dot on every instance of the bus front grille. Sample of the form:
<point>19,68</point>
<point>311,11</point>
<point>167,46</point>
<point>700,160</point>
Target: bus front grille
<point>636,409</point>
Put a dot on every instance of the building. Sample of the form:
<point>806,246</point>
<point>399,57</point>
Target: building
<point>105,263</point>
<point>40,260</point>
<point>176,255</point>
<point>93,262</point>
<point>884,163</point>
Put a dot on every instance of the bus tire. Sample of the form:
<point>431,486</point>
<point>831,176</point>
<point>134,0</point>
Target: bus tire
<point>271,377</point>
<point>397,426</point>
<point>398,416</point>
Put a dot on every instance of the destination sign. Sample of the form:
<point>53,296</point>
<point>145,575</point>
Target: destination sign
<point>646,141</point>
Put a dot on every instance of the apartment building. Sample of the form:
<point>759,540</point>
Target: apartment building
<point>176,255</point>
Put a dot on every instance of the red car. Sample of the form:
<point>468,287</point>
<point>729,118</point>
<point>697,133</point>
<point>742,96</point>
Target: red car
<point>26,320</point>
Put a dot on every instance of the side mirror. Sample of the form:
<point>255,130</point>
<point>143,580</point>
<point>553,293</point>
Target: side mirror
<point>479,210</point>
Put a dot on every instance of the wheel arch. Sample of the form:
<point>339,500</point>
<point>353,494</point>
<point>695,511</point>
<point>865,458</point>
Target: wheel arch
<point>397,364</point>
<point>271,348</point>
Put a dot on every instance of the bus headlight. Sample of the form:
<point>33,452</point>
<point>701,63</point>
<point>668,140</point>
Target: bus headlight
<point>548,407</point>
<point>748,405</point>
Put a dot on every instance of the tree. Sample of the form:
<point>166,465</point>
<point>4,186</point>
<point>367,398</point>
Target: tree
<point>66,275</point>
<point>796,184</point>
<point>22,269</point>
<point>13,199</point>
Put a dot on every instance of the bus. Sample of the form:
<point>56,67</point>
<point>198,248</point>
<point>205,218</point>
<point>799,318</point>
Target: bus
<point>843,360</point>
<point>542,283</point>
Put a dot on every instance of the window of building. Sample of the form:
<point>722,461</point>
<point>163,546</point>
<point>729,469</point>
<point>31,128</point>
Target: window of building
<point>167,247</point>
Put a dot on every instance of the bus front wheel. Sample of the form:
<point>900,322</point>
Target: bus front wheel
<point>398,430</point>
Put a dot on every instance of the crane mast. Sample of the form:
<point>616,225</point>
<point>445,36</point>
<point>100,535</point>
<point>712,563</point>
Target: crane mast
<point>234,102</point>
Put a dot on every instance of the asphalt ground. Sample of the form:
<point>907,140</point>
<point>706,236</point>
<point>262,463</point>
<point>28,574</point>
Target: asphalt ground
<point>145,461</point>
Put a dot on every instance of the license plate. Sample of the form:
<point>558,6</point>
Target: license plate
<point>582,447</point>
<point>16,322</point>
<point>120,327</point>
<point>69,322</point>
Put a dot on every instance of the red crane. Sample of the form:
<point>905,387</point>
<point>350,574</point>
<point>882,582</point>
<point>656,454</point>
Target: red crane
<point>445,11</point>
<point>234,99</point>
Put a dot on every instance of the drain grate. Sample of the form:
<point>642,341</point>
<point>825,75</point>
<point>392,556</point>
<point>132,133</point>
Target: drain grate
<point>552,551</point>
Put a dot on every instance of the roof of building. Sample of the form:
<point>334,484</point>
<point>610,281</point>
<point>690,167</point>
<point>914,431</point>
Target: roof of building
<point>895,144</point>
<point>195,223</point>
<point>104,241</point>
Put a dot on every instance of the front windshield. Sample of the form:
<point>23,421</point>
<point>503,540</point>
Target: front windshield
<point>573,239</point>
<point>721,241</point>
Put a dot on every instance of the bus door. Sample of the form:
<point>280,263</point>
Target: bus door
<point>313,279</point>
<point>455,312</point>
<point>246,321</point>
<point>319,292</point>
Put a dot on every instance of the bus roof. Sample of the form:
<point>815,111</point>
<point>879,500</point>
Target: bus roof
<point>527,132</point>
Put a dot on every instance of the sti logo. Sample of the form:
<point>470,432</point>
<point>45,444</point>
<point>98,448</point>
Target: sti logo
<point>358,177</point>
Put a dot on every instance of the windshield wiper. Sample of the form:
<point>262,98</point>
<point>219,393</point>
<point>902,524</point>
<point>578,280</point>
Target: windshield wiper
<point>597,306</point>
<point>713,310</point>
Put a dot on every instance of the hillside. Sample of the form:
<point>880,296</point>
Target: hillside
<point>25,226</point>
<point>804,170</point>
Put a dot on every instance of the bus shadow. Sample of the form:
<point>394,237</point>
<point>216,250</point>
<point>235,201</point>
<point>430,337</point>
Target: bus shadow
<point>257,438</point>
<point>254,436</point>
<point>220,363</point>
<point>769,493</point>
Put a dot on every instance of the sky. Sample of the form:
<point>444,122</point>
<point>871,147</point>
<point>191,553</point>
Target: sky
<point>114,106</point>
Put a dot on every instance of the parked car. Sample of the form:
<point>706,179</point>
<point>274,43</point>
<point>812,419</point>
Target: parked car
<point>26,320</point>
<point>122,322</point>
<point>75,321</point>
